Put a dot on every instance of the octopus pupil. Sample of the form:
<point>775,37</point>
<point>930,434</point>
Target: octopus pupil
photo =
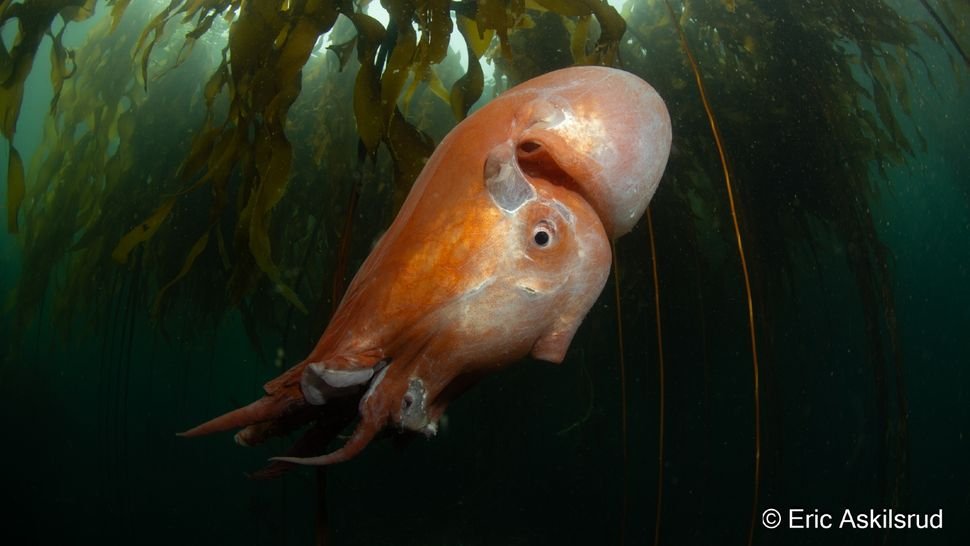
<point>541,238</point>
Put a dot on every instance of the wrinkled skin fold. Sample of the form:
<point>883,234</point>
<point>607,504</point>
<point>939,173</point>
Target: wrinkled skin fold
<point>500,250</point>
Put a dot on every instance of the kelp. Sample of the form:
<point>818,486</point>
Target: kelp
<point>387,59</point>
<point>34,20</point>
<point>242,154</point>
<point>267,51</point>
<point>90,175</point>
<point>949,10</point>
<point>15,187</point>
<point>142,232</point>
<point>59,72</point>
<point>742,258</point>
<point>839,93</point>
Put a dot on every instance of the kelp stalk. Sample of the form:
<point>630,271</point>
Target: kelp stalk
<point>623,410</point>
<point>660,378</point>
<point>946,30</point>
<point>718,141</point>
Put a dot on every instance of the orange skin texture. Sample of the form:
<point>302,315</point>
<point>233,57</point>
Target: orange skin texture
<point>463,284</point>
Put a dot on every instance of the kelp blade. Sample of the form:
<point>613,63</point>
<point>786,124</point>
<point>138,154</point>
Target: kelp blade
<point>142,232</point>
<point>15,188</point>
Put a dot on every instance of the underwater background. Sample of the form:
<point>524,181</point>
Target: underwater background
<point>189,185</point>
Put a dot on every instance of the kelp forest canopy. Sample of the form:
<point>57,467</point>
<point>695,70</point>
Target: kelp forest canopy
<point>203,156</point>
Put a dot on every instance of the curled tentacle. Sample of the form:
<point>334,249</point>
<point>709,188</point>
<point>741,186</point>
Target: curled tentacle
<point>366,430</point>
<point>316,439</point>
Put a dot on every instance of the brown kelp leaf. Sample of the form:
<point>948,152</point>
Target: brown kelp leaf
<point>367,87</point>
<point>156,28</point>
<point>436,86</point>
<point>205,23</point>
<point>577,40</point>
<point>34,20</point>
<point>126,126</point>
<point>219,157</point>
<point>367,107</point>
<point>410,148</point>
<point>6,62</point>
<point>274,156</point>
<point>468,89</point>
<point>478,39</point>
<point>201,152</point>
<point>216,82</point>
<point>15,188</point>
<point>322,14</point>
<point>118,8</point>
<point>427,75</point>
<point>370,34</point>
<point>436,33</point>
<point>612,27</point>
<point>396,72</point>
<point>495,14</point>
<point>296,50</point>
<point>193,7</point>
<point>142,232</point>
<point>79,13</point>
<point>59,56</point>
<point>569,8</point>
<point>194,253</point>
<point>11,99</point>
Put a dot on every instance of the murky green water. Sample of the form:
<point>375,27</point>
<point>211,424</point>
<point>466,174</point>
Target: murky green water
<point>857,242</point>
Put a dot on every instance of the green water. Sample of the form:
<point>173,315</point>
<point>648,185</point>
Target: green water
<point>852,416</point>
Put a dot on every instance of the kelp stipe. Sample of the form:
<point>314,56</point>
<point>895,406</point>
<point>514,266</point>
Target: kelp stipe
<point>718,140</point>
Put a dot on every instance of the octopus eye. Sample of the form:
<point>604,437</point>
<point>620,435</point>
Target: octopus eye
<point>542,234</point>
